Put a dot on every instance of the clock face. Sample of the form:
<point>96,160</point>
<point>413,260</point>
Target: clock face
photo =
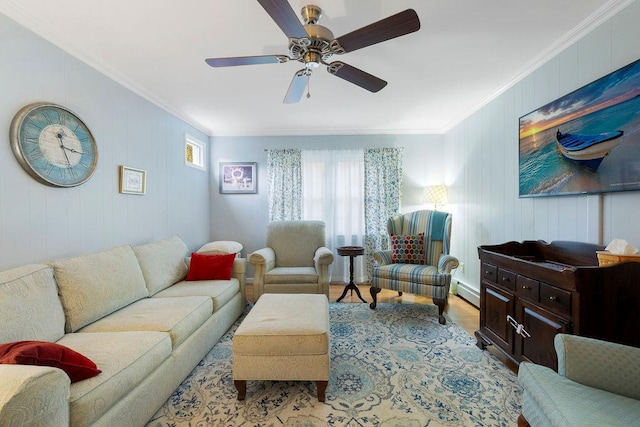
<point>53,145</point>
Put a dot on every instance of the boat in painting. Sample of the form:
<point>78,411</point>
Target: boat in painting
<point>587,150</point>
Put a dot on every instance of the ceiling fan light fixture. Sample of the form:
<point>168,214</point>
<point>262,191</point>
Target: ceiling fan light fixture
<point>312,59</point>
<point>313,44</point>
<point>311,14</point>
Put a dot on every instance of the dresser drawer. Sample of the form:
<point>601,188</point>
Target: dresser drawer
<point>555,299</point>
<point>527,288</point>
<point>489,272</point>
<point>507,279</point>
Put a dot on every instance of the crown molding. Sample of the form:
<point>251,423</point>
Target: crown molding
<point>606,12</point>
<point>13,10</point>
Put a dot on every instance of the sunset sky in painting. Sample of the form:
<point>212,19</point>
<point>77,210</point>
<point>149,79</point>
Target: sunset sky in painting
<point>612,89</point>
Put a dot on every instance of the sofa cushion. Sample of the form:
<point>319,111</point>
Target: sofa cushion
<point>43,353</point>
<point>420,274</point>
<point>220,247</point>
<point>92,286</point>
<point>407,249</point>
<point>220,291</point>
<point>295,242</point>
<point>179,317</point>
<point>291,275</point>
<point>210,267</point>
<point>126,359</point>
<point>284,324</point>
<point>29,305</point>
<point>162,262</point>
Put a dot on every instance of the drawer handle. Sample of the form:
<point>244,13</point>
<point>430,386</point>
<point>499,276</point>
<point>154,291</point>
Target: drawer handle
<point>488,272</point>
<point>552,298</point>
<point>526,288</point>
<point>505,279</point>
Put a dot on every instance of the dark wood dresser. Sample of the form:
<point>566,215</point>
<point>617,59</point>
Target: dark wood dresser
<point>532,290</point>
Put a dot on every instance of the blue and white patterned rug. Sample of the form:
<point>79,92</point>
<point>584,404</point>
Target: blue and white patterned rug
<point>393,366</point>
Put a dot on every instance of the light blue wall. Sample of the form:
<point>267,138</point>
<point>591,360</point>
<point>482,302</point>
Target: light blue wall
<point>478,159</point>
<point>244,217</point>
<point>486,169</point>
<point>39,223</point>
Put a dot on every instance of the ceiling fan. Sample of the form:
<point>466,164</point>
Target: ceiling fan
<point>313,45</point>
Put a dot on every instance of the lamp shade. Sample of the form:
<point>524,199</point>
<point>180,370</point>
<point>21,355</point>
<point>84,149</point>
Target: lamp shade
<point>436,194</point>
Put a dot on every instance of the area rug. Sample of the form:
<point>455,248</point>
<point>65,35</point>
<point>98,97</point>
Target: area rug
<point>393,366</point>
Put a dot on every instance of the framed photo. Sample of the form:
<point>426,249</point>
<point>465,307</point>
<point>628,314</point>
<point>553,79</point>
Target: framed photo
<point>132,181</point>
<point>587,141</point>
<point>238,178</point>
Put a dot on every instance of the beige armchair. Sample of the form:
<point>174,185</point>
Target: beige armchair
<point>295,260</point>
<point>597,384</point>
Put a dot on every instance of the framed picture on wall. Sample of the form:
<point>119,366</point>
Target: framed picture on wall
<point>132,181</point>
<point>587,141</point>
<point>238,178</point>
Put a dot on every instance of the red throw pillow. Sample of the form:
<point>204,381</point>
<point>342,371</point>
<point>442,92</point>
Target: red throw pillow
<point>44,353</point>
<point>407,249</point>
<point>210,267</point>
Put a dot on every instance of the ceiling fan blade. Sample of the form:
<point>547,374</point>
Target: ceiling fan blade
<point>246,60</point>
<point>389,28</point>
<point>283,15</point>
<point>356,76</point>
<point>297,86</point>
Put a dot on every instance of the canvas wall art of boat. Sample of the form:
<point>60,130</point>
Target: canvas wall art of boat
<point>587,150</point>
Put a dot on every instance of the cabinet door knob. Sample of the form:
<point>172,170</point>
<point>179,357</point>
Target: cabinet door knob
<point>526,288</point>
<point>505,279</point>
<point>552,298</point>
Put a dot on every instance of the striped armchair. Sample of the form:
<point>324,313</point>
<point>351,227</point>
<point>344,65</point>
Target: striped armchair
<point>423,270</point>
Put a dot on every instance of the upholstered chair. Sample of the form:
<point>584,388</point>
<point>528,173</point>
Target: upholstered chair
<point>597,384</point>
<point>295,260</point>
<point>419,262</point>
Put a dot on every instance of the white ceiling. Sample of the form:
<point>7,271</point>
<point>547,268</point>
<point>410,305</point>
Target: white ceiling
<point>466,53</point>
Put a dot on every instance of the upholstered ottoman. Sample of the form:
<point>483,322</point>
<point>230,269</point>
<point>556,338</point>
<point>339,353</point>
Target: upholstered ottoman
<point>285,337</point>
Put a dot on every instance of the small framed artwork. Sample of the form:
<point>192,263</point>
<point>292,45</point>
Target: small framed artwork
<point>238,178</point>
<point>132,181</point>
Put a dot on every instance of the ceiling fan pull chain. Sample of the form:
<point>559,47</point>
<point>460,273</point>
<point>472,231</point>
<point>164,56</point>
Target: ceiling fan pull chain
<point>308,86</point>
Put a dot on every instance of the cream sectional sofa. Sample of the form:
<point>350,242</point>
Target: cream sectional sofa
<point>127,309</point>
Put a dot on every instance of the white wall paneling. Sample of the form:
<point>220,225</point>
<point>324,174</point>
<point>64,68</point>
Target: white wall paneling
<point>487,161</point>
<point>40,223</point>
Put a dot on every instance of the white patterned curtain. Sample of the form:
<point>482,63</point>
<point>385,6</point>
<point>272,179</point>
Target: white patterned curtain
<point>383,192</point>
<point>333,192</point>
<point>285,184</point>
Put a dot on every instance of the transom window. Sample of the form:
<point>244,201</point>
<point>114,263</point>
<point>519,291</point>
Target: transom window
<point>194,153</point>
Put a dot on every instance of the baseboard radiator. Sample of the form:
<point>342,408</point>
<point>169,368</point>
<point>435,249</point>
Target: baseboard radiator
<point>467,292</point>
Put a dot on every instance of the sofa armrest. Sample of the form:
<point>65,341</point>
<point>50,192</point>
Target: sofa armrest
<point>322,261</point>
<point>239,271</point>
<point>323,256</point>
<point>34,395</point>
<point>264,257</point>
<point>600,364</point>
<point>382,257</point>
<point>262,260</point>
<point>446,263</point>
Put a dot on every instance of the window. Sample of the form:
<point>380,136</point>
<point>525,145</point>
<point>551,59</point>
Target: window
<point>333,192</point>
<point>194,153</point>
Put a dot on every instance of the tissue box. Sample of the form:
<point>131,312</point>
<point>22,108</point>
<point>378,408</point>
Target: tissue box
<point>606,258</point>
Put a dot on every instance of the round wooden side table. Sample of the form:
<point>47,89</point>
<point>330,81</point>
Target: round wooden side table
<point>351,252</point>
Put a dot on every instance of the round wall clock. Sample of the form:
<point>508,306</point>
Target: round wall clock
<point>53,145</point>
